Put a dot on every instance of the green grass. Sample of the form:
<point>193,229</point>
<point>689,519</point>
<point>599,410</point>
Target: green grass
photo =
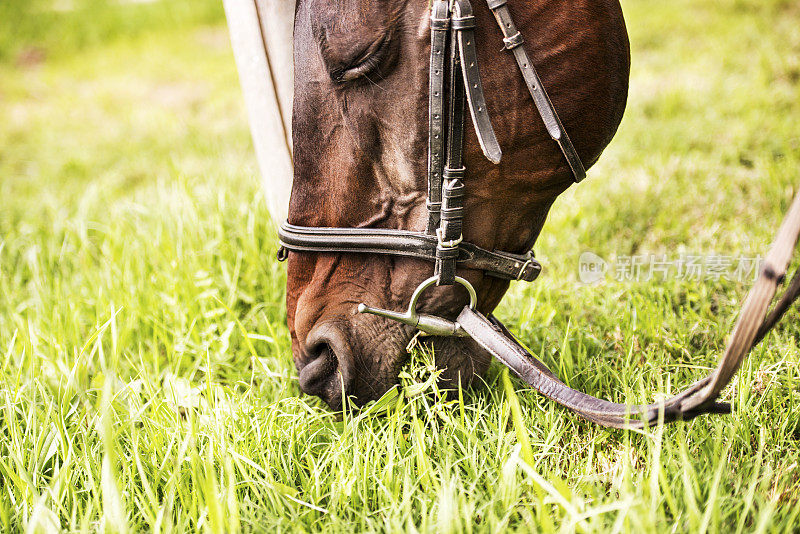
<point>146,381</point>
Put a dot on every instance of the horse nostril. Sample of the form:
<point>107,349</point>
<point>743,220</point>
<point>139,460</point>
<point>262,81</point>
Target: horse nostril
<point>325,375</point>
<point>318,372</point>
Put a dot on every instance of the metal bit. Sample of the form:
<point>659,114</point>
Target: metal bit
<point>430,325</point>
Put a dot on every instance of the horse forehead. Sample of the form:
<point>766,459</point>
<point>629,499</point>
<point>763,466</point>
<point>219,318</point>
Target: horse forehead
<point>348,20</point>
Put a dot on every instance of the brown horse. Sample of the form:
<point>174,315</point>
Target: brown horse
<point>360,125</point>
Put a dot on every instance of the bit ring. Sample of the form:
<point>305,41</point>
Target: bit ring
<point>473,296</point>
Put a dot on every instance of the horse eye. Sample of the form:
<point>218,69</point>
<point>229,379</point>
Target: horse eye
<point>365,64</point>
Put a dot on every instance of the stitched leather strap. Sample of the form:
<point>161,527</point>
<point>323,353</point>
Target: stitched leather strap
<point>697,399</point>
<point>440,25</point>
<point>494,337</point>
<point>512,40</point>
<point>472,82</point>
<point>450,233</point>
<point>503,265</point>
<point>748,329</point>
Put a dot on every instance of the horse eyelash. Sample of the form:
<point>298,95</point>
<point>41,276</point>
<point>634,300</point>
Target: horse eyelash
<point>363,67</point>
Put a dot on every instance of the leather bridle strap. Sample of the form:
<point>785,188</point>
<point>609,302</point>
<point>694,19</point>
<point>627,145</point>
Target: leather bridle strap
<point>463,22</point>
<point>700,397</point>
<point>512,41</point>
<point>496,339</point>
<point>498,264</point>
<point>440,27</point>
<point>465,84</point>
<point>450,233</point>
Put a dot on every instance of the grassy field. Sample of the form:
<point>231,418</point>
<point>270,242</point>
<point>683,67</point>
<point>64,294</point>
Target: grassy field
<point>146,381</point>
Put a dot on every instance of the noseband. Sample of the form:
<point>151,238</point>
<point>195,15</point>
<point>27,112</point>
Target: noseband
<point>453,57</point>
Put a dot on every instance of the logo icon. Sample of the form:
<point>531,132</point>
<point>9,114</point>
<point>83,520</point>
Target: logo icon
<point>591,268</point>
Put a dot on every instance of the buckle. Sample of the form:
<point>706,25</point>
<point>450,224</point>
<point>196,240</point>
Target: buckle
<point>523,273</point>
<point>523,268</point>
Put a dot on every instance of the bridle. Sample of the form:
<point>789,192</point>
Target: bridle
<point>453,58</point>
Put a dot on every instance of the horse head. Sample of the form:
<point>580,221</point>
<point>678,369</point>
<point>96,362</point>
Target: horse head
<point>360,131</point>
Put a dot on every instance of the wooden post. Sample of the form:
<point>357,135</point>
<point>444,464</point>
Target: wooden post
<point>261,37</point>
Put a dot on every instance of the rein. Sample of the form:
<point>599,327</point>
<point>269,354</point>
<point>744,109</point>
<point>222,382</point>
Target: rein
<point>453,58</point>
<point>699,398</point>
